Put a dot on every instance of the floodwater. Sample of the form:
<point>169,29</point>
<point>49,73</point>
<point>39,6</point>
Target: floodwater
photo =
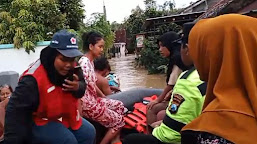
<point>133,77</point>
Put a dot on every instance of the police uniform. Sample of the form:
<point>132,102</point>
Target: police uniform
<point>185,105</point>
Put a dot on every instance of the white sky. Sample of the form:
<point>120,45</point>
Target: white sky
<point>117,10</point>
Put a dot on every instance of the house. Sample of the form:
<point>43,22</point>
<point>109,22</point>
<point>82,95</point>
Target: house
<point>230,6</point>
<point>151,25</point>
<point>119,46</point>
<point>200,5</point>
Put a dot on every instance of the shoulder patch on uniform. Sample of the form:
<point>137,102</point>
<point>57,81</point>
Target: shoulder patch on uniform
<point>177,100</point>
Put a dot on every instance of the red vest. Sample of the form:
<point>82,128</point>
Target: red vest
<point>54,103</point>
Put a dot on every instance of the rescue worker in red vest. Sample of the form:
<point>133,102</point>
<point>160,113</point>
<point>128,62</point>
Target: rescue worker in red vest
<point>185,104</point>
<point>43,109</point>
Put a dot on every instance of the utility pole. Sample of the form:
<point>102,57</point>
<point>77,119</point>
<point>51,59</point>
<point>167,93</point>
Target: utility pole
<point>104,9</point>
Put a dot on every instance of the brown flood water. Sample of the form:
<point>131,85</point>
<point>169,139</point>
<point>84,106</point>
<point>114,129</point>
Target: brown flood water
<point>132,77</point>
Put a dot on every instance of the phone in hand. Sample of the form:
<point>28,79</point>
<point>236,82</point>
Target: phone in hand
<point>75,70</point>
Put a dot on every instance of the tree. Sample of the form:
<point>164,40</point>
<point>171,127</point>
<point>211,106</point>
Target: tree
<point>30,21</point>
<point>116,26</point>
<point>150,4</point>
<point>133,25</point>
<point>99,24</point>
<point>168,8</point>
<point>150,56</point>
<point>73,9</point>
<point>5,5</point>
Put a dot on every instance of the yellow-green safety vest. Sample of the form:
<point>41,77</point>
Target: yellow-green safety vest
<point>185,105</point>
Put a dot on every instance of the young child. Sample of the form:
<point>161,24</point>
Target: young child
<point>107,82</point>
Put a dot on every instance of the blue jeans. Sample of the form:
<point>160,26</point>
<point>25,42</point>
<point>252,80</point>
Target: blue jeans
<point>57,133</point>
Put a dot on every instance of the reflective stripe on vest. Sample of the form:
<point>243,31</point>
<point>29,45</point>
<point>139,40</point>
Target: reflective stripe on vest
<point>202,87</point>
<point>173,124</point>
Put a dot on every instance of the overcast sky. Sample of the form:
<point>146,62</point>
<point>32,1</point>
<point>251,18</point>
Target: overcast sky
<point>117,10</point>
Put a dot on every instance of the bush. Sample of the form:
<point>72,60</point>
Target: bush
<point>30,21</point>
<point>151,58</point>
<point>150,55</point>
<point>100,25</point>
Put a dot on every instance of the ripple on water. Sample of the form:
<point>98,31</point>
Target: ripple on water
<point>132,77</point>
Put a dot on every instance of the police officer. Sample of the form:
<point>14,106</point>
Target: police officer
<point>185,104</point>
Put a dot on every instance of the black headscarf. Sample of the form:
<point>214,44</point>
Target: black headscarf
<point>47,58</point>
<point>168,40</point>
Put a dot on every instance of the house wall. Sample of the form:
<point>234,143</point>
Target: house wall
<point>120,36</point>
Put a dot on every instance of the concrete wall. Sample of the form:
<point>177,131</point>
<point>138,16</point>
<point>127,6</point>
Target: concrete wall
<point>17,59</point>
<point>10,78</point>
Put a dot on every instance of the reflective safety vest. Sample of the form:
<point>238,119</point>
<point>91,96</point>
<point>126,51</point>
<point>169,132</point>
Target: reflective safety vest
<point>137,118</point>
<point>185,105</point>
<point>54,103</point>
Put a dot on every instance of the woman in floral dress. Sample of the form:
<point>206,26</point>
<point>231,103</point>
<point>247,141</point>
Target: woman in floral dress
<point>95,106</point>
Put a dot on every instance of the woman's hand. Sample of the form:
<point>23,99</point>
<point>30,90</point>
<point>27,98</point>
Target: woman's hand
<point>168,96</point>
<point>71,85</point>
<point>156,124</point>
<point>151,104</point>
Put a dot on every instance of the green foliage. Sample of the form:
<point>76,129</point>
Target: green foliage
<point>168,27</point>
<point>30,21</point>
<point>73,9</point>
<point>5,5</point>
<point>150,4</point>
<point>133,25</point>
<point>116,26</point>
<point>150,56</point>
<point>99,24</point>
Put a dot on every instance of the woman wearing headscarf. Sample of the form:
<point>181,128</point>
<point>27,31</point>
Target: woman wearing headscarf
<point>43,109</point>
<point>224,51</point>
<point>169,49</point>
